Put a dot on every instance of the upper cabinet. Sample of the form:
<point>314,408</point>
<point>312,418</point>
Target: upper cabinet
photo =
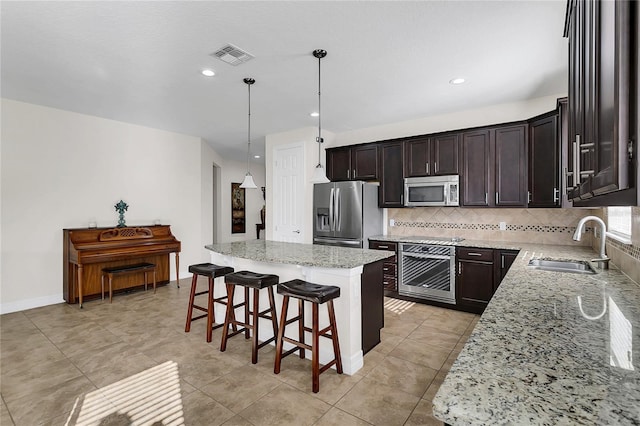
<point>494,172</point>
<point>544,181</point>
<point>391,190</point>
<point>359,162</point>
<point>602,97</point>
<point>433,155</point>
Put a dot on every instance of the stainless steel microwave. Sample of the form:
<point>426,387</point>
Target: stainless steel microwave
<point>430,191</point>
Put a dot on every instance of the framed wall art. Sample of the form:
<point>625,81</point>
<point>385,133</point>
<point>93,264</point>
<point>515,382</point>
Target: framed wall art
<point>238,222</point>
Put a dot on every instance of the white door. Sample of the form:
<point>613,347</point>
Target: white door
<point>288,194</point>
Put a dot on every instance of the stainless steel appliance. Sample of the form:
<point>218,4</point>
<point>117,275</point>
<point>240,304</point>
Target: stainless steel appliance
<point>431,191</point>
<point>345,213</point>
<point>428,271</point>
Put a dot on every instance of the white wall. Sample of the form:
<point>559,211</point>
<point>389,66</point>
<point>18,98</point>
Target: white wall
<point>306,137</point>
<point>61,169</point>
<point>494,114</point>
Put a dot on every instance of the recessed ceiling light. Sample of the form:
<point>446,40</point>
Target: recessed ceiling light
<point>314,114</point>
<point>256,156</point>
<point>208,73</point>
<point>457,81</point>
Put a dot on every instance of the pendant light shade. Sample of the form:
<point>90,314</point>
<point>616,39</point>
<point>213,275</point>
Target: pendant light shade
<point>248,179</point>
<point>319,174</point>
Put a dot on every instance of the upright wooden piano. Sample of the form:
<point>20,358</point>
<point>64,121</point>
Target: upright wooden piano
<point>87,250</point>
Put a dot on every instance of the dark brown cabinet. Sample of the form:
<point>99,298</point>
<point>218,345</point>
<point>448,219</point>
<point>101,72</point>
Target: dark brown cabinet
<point>359,162</point>
<point>390,265</point>
<point>479,273</point>
<point>503,261</point>
<point>433,155</point>
<point>477,168</point>
<point>494,170</point>
<point>602,101</point>
<point>544,184</point>
<point>391,190</point>
<point>475,277</point>
<point>511,166</point>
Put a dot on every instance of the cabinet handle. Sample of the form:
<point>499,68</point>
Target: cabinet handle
<point>474,254</point>
<point>486,198</point>
<point>502,261</point>
<point>383,247</point>
<point>459,268</point>
<point>435,167</point>
<point>427,164</point>
<point>348,173</point>
<point>576,162</point>
<point>497,199</point>
<point>528,196</point>
<point>556,195</point>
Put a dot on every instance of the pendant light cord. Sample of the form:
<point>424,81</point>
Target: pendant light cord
<point>249,129</point>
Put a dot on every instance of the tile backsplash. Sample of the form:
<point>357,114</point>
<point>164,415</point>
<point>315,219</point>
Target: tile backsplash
<point>544,226</point>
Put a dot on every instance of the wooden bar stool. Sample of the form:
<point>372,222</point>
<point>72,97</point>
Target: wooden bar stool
<point>212,272</point>
<point>256,281</point>
<point>316,294</point>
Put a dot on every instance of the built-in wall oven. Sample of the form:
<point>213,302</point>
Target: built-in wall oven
<point>427,272</point>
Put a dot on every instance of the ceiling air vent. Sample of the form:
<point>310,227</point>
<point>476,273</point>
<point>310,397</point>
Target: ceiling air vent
<point>232,55</point>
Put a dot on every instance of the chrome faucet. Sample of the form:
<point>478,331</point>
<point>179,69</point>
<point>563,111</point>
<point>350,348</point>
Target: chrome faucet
<point>603,261</point>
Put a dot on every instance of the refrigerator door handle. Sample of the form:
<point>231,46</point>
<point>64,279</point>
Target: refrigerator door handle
<point>338,214</point>
<point>331,216</point>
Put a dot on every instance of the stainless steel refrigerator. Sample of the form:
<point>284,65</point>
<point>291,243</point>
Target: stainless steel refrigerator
<point>346,213</point>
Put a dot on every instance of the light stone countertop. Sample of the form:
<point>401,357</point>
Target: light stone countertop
<point>550,348</point>
<point>300,254</point>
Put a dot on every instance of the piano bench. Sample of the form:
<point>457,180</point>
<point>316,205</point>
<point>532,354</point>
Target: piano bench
<point>125,270</point>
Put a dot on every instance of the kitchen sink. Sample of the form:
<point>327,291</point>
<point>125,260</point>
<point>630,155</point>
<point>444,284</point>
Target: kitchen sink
<point>572,266</point>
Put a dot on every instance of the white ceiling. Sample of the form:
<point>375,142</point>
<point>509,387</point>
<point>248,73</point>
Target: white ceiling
<point>140,62</point>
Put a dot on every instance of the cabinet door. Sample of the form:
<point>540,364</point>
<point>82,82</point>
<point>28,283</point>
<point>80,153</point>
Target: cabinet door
<point>511,172</point>
<point>477,168</point>
<point>474,283</point>
<point>338,163</point>
<point>504,260</point>
<point>417,157</point>
<point>364,162</point>
<point>544,190</point>
<point>391,189</point>
<point>445,156</point>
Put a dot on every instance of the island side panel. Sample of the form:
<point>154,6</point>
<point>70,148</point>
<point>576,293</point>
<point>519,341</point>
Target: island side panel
<point>372,291</point>
<point>347,306</point>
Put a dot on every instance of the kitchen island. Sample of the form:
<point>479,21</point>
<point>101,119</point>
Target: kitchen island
<point>550,348</point>
<point>358,273</point>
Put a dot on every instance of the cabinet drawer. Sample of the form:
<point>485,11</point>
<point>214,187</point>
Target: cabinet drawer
<point>483,255</point>
<point>389,269</point>
<point>389,283</point>
<point>383,245</point>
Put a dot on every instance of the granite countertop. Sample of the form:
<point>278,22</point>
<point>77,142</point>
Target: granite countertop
<point>550,348</point>
<point>300,254</point>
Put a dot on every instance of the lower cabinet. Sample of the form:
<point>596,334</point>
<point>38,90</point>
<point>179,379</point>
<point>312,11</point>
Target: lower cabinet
<point>474,277</point>
<point>390,265</point>
<point>478,275</point>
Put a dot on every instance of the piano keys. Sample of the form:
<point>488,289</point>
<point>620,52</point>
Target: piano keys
<point>87,250</point>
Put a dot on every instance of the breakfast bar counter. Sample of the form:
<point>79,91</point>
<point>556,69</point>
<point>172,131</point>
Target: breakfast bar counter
<point>358,273</point>
<point>550,348</point>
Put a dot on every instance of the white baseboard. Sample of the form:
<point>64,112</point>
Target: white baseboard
<point>23,305</point>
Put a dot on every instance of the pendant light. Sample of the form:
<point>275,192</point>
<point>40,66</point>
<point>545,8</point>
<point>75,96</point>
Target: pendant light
<point>248,179</point>
<point>319,174</point>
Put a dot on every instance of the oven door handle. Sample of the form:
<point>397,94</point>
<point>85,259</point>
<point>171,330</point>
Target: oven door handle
<point>427,256</point>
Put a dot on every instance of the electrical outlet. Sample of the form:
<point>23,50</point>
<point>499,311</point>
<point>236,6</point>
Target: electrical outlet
<point>392,222</point>
<point>503,226</point>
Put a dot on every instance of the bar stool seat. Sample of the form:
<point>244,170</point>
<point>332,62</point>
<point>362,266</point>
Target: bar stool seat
<point>255,281</point>
<point>211,271</point>
<point>316,294</point>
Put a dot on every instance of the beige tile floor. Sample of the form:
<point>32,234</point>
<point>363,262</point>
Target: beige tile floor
<point>131,362</point>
